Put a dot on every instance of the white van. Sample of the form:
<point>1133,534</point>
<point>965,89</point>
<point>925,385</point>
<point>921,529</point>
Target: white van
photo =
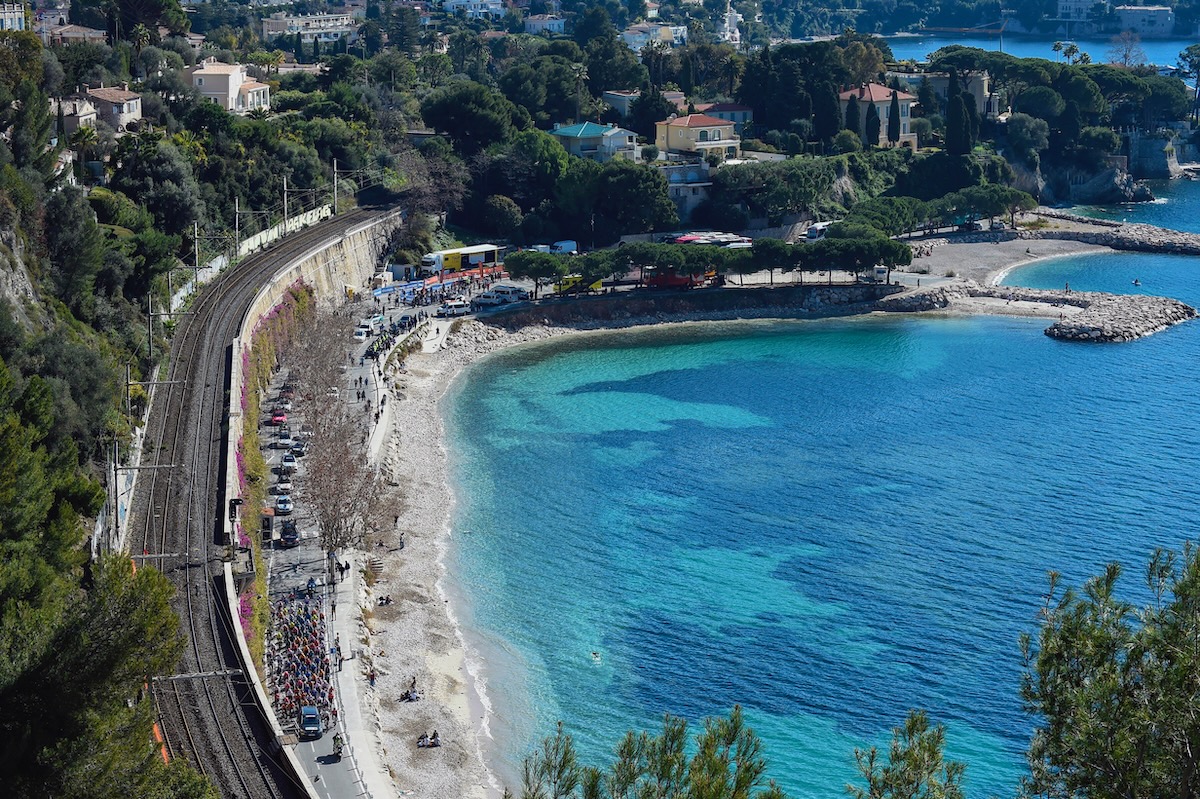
<point>454,308</point>
<point>488,298</point>
<point>510,293</point>
<point>361,333</point>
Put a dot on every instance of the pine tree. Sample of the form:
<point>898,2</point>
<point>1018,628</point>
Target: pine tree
<point>871,128</point>
<point>893,131</point>
<point>852,121</point>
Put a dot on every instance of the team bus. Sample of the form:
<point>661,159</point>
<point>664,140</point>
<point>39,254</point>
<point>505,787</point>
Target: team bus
<point>460,258</point>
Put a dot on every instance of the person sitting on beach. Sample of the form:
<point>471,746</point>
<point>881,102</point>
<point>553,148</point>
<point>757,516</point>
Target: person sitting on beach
<point>423,741</point>
<point>435,740</point>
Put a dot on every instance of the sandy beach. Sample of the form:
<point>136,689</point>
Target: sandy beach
<point>418,635</point>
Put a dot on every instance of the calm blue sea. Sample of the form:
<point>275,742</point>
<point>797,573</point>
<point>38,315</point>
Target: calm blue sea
<point>828,522</point>
<point>1163,52</point>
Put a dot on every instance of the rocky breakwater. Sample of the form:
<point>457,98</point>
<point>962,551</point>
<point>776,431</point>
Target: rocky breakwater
<point>1121,317</point>
<point>1094,316</point>
<point>1117,235</point>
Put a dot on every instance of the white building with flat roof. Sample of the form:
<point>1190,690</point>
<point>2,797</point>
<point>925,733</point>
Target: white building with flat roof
<point>12,17</point>
<point>475,9</point>
<point>1157,21</point>
<point>1075,10</point>
<point>328,28</point>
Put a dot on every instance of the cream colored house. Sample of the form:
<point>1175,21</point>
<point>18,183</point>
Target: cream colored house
<point>78,112</point>
<point>699,134</point>
<point>229,86</point>
<point>116,106</point>
<point>881,97</point>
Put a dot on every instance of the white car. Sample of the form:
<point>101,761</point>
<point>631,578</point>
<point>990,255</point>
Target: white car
<point>510,293</point>
<point>452,308</point>
<point>488,298</point>
<point>283,504</point>
<point>284,486</point>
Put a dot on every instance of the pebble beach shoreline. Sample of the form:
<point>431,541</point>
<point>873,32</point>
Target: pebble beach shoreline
<point>419,635</point>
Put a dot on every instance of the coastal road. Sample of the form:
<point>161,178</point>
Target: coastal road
<point>206,710</point>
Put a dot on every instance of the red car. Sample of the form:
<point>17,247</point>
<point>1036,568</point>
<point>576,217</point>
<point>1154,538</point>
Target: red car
<point>278,418</point>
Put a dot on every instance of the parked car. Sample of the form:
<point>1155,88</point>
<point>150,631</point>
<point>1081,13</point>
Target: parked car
<point>300,448</point>
<point>278,418</point>
<point>998,224</point>
<point>452,308</point>
<point>284,485</point>
<point>283,406</point>
<point>288,464</point>
<point>510,293</point>
<point>283,504</point>
<point>487,298</point>
<point>310,722</point>
<point>284,442</point>
<point>289,536</point>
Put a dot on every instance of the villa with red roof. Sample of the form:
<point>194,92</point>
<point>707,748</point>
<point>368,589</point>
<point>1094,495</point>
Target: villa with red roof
<point>699,134</point>
<point>881,97</point>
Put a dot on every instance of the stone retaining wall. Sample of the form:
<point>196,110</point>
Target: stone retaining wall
<point>625,309</point>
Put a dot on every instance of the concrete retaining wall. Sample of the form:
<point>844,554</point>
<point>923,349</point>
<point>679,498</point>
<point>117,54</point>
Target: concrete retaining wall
<point>348,260</point>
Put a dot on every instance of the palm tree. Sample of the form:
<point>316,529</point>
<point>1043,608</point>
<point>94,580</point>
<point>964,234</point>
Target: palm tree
<point>1070,51</point>
<point>192,146</point>
<point>1057,47</point>
<point>581,76</point>
<point>83,140</point>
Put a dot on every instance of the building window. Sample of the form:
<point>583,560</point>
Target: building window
<point>704,135</point>
<point>199,81</point>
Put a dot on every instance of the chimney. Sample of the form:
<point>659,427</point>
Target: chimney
<point>125,85</point>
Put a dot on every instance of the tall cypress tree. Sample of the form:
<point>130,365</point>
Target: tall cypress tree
<point>893,132</point>
<point>958,126</point>
<point>316,49</point>
<point>871,128</point>
<point>852,121</point>
<point>826,113</point>
<point>298,48</point>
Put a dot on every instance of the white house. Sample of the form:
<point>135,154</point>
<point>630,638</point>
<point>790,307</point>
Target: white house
<point>1156,21</point>
<point>597,142</point>
<point>1075,10</point>
<point>475,9</point>
<point>639,35</point>
<point>12,16</point>
<point>328,28</point>
<point>547,24</point>
<point>229,86</point>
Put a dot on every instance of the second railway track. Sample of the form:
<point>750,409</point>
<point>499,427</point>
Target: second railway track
<point>212,721</point>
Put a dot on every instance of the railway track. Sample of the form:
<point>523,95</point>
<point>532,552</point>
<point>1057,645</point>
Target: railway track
<point>206,711</point>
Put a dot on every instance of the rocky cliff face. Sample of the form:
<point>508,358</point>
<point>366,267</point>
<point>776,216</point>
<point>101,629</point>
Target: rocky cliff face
<point>15,284</point>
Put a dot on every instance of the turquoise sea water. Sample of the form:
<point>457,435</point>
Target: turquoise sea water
<point>828,522</point>
<point>1163,52</point>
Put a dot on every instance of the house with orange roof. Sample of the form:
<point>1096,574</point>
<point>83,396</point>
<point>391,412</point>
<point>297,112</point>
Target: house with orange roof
<point>116,106</point>
<point>698,134</point>
<point>742,116</point>
<point>881,97</point>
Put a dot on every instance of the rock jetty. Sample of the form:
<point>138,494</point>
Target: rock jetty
<point>1103,318</point>
<point>1133,237</point>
